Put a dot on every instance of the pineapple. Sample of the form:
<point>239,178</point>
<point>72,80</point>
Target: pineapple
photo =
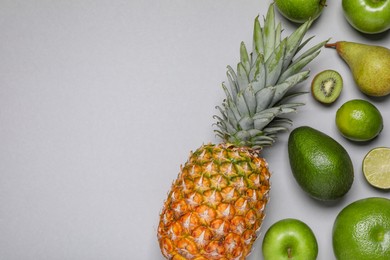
<point>216,205</point>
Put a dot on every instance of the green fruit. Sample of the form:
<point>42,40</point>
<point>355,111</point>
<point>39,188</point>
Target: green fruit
<point>369,64</point>
<point>368,16</point>
<point>300,11</point>
<point>289,239</point>
<point>326,86</point>
<point>359,120</point>
<point>361,230</point>
<point>376,167</point>
<point>320,165</point>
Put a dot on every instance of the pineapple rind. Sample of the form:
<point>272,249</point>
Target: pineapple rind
<point>216,205</point>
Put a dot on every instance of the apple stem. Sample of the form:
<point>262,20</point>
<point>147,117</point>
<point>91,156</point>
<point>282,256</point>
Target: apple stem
<point>289,255</point>
<point>330,45</point>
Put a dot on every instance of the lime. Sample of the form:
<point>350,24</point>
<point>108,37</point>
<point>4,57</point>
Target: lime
<point>376,167</point>
<point>359,120</point>
<point>361,230</point>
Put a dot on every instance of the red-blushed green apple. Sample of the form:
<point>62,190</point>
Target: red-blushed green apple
<point>368,16</point>
<point>289,239</point>
<point>299,11</point>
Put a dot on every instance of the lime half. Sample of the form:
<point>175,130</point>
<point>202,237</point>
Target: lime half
<point>376,167</point>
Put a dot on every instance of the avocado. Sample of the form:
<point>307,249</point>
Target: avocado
<point>320,165</point>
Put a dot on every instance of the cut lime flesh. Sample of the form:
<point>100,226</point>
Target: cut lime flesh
<point>376,167</point>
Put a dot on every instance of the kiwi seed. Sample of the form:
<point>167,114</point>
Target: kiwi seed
<point>326,86</point>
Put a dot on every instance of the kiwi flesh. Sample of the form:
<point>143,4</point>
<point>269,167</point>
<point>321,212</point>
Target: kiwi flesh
<point>326,86</point>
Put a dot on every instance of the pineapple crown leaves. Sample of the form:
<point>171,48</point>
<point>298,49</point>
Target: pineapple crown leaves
<point>259,89</point>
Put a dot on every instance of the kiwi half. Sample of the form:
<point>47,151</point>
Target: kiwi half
<point>326,86</point>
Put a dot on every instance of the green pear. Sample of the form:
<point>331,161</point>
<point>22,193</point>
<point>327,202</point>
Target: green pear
<point>370,66</point>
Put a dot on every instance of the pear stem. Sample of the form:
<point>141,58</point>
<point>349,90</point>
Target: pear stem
<point>330,45</point>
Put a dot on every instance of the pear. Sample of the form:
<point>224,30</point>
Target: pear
<point>369,64</point>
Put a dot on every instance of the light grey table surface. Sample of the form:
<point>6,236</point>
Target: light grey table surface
<point>102,101</point>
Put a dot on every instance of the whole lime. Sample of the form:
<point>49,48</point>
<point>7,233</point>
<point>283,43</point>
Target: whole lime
<point>300,11</point>
<point>359,120</point>
<point>361,230</point>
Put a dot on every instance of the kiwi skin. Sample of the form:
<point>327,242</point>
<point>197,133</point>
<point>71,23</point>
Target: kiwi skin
<point>326,86</point>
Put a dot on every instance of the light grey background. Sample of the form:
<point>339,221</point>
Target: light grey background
<point>101,101</point>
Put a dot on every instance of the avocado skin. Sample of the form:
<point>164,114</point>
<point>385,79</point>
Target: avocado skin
<point>320,165</point>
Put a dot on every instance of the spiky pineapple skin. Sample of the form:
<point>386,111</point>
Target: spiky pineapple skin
<point>216,205</point>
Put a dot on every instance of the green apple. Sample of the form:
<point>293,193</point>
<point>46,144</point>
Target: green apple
<point>368,16</point>
<point>289,239</point>
<point>300,11</point>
